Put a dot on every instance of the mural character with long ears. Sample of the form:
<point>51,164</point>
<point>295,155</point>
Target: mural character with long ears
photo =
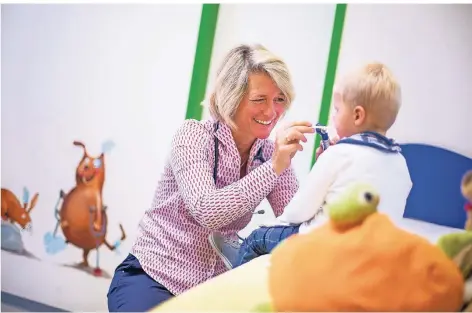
<point>83,215</point>
<point>13,211</point>
<point>15,214</point>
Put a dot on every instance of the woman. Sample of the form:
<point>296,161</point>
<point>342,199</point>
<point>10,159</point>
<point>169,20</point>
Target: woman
<point>217,174</point>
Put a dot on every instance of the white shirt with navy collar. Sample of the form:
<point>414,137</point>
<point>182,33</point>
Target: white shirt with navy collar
<point>368,158</point>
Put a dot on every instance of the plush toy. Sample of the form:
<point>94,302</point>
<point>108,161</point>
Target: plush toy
<point>458,246</point>
<point>466,188</point>
<point>360,261</point>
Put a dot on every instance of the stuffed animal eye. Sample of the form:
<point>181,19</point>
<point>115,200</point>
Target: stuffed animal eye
<point>365,197</point>
<point>97,163</point>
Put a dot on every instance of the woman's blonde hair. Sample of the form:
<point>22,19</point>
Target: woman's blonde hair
<point>233,75</point>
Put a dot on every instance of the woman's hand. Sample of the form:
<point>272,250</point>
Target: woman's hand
<point>319,150</point>
<point>287,143</point>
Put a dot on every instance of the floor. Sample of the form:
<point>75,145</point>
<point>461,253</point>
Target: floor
<point>11,308</point>
<point>12,303</point>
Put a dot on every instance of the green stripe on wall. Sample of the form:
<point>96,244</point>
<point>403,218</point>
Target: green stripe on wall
<point>201,65</point>
<point>333,55</point>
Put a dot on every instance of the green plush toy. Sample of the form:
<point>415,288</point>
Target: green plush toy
<point>458,247</point>
<point>354,206</point>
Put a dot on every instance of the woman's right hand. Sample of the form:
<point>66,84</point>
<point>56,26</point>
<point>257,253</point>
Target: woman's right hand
<point>287,143</point>
<point>320,150</point>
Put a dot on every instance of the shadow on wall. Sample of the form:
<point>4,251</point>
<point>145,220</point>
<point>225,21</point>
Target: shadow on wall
<point>81,214</point>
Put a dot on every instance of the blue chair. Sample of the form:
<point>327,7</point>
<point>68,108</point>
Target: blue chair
<point>436,174</point>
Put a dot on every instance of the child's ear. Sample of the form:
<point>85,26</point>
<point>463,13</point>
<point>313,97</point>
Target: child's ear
<point>359,115</point>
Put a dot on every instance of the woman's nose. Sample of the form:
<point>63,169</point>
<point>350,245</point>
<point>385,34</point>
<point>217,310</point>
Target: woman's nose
<point>269,109</point>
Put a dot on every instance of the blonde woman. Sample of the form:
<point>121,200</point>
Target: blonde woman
<point>217,173</point>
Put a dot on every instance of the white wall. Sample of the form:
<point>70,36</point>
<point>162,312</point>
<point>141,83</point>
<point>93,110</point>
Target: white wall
<point>90,73</point>
<point>429,48</point>
<point>301,35</point>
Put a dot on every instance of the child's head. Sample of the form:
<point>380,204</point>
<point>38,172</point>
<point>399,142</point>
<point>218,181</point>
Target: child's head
<point>367,99</point>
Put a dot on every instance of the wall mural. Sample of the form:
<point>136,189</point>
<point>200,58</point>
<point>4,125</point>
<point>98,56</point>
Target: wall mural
<point>82,214</point>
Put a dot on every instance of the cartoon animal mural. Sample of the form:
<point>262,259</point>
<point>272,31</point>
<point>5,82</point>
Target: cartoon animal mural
<point>13,211</point>
<point>83,215</point>
<point>16,220</point>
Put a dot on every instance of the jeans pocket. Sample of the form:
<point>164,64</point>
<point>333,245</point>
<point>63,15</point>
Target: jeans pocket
<point>120,270</point>
<point>131,262</point>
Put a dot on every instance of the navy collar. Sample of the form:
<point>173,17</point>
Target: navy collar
<point>374,140</point>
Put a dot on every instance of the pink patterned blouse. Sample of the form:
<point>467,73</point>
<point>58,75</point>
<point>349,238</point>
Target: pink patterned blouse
<point>172,243</point>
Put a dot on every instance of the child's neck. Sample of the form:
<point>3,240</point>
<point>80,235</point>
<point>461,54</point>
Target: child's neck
<point>373,130</point>
<point>380,132</point>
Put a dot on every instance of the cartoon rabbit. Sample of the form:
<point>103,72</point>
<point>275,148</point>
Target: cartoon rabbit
<point>13,211</point>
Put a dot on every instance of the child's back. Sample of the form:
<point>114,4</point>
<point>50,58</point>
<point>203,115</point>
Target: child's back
<point>378,163</point>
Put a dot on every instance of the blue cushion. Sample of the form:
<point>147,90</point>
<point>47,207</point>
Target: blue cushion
<point>436,174</point>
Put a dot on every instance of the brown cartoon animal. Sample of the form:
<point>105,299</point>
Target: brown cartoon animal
<point>13,211</point>
<point>82,216</point>
<point>466,189</point>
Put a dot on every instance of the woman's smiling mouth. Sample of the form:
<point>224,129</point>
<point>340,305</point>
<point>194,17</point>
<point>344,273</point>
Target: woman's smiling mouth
<point>263,122</point>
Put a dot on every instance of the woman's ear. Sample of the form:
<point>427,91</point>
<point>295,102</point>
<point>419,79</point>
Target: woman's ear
<point>359,115</point>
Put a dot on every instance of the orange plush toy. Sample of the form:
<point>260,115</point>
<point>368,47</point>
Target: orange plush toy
<point>360,261</point>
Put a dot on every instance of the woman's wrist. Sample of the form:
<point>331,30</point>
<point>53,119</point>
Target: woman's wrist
<point>278,171</point>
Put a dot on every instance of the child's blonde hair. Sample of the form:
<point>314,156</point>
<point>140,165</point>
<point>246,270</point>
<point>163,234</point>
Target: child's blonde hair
<point>375,89</point>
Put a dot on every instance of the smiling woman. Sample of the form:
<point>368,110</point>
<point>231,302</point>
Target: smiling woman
<point>217,173</point>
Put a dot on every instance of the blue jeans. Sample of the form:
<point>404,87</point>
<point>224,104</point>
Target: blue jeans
<point>262,241</point>
<point>132,290</point>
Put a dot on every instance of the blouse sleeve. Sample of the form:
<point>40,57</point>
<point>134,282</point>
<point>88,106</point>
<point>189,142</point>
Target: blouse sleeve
<point>286,187</point>
<point>211,207</point>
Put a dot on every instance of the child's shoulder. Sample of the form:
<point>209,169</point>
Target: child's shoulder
<point>334,155</point>
<point>339,150</point>
<point>353,153</point>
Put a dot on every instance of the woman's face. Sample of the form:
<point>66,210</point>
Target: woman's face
<point>260,108</point>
